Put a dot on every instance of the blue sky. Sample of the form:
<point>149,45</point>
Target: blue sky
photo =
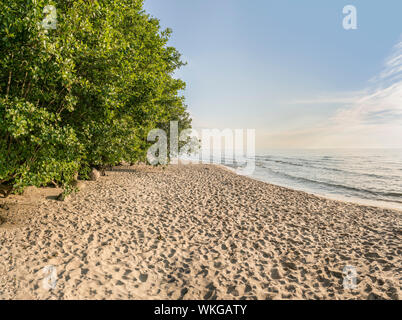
<point>289,70</point>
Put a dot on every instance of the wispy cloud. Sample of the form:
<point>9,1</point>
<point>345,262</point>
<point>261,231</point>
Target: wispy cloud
<point>393,65</point>
<point>370,117</point>
<point>383,100</point>
<point>327,99</point>
<point>339,98</point>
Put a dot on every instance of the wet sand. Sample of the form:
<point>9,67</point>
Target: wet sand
<point>196,232</point>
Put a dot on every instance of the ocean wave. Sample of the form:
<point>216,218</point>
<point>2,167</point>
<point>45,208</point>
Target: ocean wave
<point>378,194</point>
<point>309,165</point>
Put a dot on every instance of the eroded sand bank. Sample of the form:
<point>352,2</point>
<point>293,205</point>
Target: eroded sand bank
<point>197,232</point>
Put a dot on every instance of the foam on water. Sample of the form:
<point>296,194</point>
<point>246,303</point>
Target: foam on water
<point>369,176</point>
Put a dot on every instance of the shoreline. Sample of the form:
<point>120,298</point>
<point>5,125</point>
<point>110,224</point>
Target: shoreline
<point>198,232</point>
<point>351,200</point>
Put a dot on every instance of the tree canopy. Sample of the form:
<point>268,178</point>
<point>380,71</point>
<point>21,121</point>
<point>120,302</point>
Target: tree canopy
<point>84,93</point>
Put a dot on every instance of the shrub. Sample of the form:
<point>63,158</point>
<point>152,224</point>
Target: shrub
<point>84,94</point>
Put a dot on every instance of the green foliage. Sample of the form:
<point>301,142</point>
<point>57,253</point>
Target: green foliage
<point>84,94</point>
<point>68,190</point>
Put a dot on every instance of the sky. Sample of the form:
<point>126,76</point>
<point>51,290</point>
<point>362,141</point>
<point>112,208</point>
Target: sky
<point>289,70</point>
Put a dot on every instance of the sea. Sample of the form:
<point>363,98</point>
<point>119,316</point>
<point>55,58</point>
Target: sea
<point>366,176</point>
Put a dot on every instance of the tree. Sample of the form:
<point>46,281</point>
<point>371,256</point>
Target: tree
<point>84,94</point>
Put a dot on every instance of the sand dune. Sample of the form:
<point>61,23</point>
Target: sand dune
<point>197,232</point>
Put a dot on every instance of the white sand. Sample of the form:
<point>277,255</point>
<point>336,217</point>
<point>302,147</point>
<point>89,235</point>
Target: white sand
<point>197,232</point>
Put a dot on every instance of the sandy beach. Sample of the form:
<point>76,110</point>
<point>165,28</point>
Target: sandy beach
<point>195,232</point>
